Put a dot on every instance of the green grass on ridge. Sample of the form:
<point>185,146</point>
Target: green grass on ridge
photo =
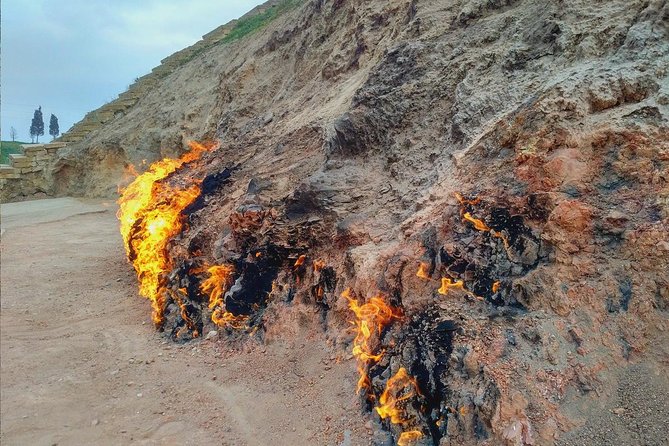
<point>7,147</point>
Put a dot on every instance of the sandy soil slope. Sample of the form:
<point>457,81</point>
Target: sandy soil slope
<point>82,364</point>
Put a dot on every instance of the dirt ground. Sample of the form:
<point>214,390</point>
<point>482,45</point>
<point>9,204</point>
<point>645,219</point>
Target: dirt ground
<point>82,364</point>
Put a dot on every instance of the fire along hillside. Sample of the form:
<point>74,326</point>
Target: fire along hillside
<point>469,198</point>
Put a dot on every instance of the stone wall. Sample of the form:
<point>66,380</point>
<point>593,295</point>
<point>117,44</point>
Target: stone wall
<point>28,175</point>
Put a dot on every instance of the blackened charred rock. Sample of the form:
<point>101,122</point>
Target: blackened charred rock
<point>304,202</point>
<point>447,258</point>
<point>322,291</point>
<point>188,321</point>
<point>183,278</point>
<point>488,260</point>
<point>328,279</point>
<point>615,304</point>
<point>625,288</point>
<point>482,281</point>
<point>459,266</point>
<point>250,291</point>
<point>448,325</point>
<point>349,135</point>
<point>513,225</point>
<point>429,241</point>
<point>625,294</point>
<point>610,180</point>
<point>540,205</point>
<point>211,183</point>
<point>185,302</point>
<point>423,349</point>
<point>255,270</point>
<point>611,305</point>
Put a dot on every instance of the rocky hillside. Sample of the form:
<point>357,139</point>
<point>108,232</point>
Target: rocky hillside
<point>497,169</point>
<point>125,101</point>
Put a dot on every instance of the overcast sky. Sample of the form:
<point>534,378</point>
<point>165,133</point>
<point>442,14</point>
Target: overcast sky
<point>72,56</point>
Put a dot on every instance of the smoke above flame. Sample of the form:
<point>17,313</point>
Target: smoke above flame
<point>150,215</point>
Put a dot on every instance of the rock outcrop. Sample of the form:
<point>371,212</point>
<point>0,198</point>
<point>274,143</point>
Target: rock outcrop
<point>28,175</point>
<point>519,148</point>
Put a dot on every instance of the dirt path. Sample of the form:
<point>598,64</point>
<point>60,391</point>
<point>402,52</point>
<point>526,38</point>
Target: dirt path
<point>81,363</point>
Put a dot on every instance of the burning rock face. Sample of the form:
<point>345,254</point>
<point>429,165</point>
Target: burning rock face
<point>151,214</point>
<point>371,319</point>
<point>434,345</point>
<point>405,361</point>
<point>184,286</point>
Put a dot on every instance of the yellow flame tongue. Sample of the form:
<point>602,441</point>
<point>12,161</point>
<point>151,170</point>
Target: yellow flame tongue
<point>399,388</point>
<point>150,215</point>
<point>370,317</point>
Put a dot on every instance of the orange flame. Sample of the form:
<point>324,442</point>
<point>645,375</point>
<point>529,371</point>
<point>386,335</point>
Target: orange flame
<point>495,286</point>
<point>177,296</point>
<point>215,286</point>
<point>319,265</point>
<point>464,201</point>
<point>447,284</point>
<point>478,224</point>
<point>423,270</point>
<point>399,388</point>
<point>408,437</point>
<point>300,260</point>
<point>150,215</point>
<point>370,317</point>
<point>220,279</point>
<point>224,318</point>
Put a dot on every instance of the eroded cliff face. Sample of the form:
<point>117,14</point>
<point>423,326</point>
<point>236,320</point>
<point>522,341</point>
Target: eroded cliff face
<point>498,171</point>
